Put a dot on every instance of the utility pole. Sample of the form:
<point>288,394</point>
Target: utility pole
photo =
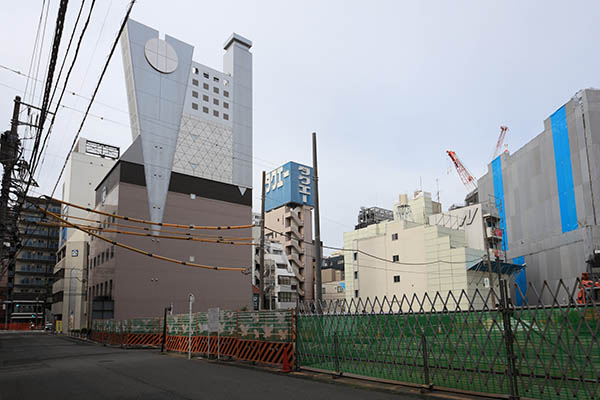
<point>9,153</point>
<point>486,246</point>
<point>261,273</point>
<point>318,250</point>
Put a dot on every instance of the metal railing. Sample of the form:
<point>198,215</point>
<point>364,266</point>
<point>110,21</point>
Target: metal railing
<point>260,336</point>
<point>477,343</point>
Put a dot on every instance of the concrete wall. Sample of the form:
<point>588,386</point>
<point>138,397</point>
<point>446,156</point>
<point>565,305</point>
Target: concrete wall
<point>538,227</point>
<point>143,286</point>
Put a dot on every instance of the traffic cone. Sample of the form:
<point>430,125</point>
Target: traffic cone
<point>286,361</point>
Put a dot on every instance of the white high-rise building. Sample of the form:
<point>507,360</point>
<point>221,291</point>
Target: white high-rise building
<point>87,165</point>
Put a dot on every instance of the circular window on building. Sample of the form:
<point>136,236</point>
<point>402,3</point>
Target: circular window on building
<point>161,55</point>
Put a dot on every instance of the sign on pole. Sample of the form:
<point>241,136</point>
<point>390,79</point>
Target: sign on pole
<point>213,326</point>
<point>213,319</point>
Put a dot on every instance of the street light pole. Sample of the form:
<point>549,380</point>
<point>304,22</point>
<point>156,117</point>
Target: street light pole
<point>164,336</point>
<point>191,301</point>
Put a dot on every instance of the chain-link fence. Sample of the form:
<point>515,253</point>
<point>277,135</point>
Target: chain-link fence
<point>471,343</point>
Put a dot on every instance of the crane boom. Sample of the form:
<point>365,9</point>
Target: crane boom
<point>503,130</point>
<point>465,176</point>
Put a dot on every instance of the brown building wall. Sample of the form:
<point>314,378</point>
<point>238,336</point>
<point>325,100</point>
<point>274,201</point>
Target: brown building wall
<point>143,286</point>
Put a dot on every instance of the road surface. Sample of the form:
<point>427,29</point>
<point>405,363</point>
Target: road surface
<point>42,366</point>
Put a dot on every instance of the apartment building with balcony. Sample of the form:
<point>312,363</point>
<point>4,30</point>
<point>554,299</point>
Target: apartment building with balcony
<point>291,225</point>
<point>288,220</point>
<point>30,283</point>
<point>280,281</point>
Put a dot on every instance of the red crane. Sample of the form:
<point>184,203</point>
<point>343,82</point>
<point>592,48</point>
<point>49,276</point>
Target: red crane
<point>503,130</point>
<point>465,176</point>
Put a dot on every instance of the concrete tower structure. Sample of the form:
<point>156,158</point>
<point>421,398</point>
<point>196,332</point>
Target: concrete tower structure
<point>190,163</point>
<point>548,194</point>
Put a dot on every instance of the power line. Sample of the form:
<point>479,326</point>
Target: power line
<point>158,236</point>
<point>144,221</point>
<point>84,29</point>
<point>125,19</point>
<point>143,252</point>
<point>150,229</point>
<point>35,43</point>
<point>377,257</point>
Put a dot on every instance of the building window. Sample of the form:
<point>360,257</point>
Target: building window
<point>225,82</point>
<point>356,293</point>
<point>205,86</point>
<point>194,94</point>
<point>395,258</point>
<point>355,256</point>
<point>225,104</point>
<point>204,97</point>
<point>195,106</point>
<point>226,117</point>
<point>112,251</point>
<point>355,274</point>
<point>284,280</point>
<point>215,79</point>
<point>205,74</point>
<point>195,70</point>
<point>216,102</point>
<point>394,236</point>
<point>110,288</point>
<point>195,82</point>
<point>225,93</point>
<point>396,278</point>
<point>284,297</point>
<point>281,265</point>
<point>205,109</point>
<point>216,90</point>
<point>215,113</point>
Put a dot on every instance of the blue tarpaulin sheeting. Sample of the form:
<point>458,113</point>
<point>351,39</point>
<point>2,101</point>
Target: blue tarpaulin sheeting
<point>505,268</point>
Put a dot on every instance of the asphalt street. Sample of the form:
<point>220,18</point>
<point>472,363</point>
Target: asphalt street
<point>43,366</point>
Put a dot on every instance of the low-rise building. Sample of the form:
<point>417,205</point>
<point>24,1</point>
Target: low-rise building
<point>425,253</point>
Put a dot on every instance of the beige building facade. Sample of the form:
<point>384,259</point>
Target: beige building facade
<point>426,253</point>
<point>291,225</point>
<point>89,162</point>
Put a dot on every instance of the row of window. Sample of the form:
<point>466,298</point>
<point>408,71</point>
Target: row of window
<point>206,87</point>
<point>206,111</point>
<point>206,75</point>
<point>205,98</point>
<point>102,289</point>
<point>286,297</point>
<point>99,259</point>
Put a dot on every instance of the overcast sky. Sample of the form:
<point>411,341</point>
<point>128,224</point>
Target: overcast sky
<point>387,85</point>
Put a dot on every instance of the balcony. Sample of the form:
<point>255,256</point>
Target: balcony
<point>294,258</point>
<point>297,273</point>
<point>293,214</point>
<point>36,257</point>
<point>294,243</point>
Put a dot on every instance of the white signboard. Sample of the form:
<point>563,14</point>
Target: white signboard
<point>213,319</point>
<point>486,283</point>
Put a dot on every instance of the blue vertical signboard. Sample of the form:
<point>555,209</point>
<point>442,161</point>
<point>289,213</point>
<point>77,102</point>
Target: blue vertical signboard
<point>292,183</point>
<point>499,196</point>
<point>564,170</point>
